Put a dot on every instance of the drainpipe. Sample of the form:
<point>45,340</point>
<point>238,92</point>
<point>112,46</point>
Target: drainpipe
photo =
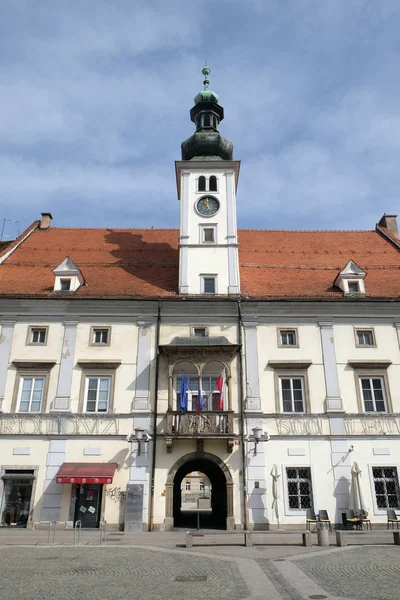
<point>153,464</point>
<point>242,416</point>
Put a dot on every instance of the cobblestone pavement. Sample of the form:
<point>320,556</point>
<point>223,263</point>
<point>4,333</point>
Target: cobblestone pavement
<point>371,573</point>
<point>115,574</point>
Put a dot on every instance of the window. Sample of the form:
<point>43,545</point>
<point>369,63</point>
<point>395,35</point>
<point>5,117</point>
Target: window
<point>386,483</point>
<point>211,395</point>
<point>373,394</point>
<point>213,184</point>
<point>365,337</point>
<point>208,235</point>
<point>37,335</point>
<point>202,184</point>
<point>288,337</point>
<point>354,287</point>
<point>97,394</point>
<point>65,285</point>
<point>208,284</point>
<point>187,486</point>
<point>31,394</point>
<point>200,332</point>
<point>100,336</point>
<point>206,121</point>
<point>292,394</point>
<point>202,486</point>
<point>299,490</point>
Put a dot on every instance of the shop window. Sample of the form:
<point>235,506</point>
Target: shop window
<point>299,489</point>
<point>16,499</point>
<point>386,484</point>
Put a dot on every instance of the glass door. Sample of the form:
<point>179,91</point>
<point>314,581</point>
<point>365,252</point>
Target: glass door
<point>88,504</point>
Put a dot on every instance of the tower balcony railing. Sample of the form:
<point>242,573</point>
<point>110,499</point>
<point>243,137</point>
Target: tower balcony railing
<point>205,423</point>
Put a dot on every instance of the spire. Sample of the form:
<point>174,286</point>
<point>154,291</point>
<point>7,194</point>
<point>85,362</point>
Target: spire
<point>206,143</point>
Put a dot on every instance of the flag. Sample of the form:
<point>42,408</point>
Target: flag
<point>200,399</point>
<point>184,392</point>
<point>220,383</point>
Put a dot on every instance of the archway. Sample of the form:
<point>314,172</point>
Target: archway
<point>221,514</point>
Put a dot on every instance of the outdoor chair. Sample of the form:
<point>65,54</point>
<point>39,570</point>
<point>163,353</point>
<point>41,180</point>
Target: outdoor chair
<point>311,519</point>
<point>350,520</point>
<point>324,518</point>
<point>364,519</point>
<point>392,518</point>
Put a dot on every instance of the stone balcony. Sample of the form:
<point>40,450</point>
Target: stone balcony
<point>192,425</point>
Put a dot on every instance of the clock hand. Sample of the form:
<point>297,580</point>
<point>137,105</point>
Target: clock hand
<point>206,202</point>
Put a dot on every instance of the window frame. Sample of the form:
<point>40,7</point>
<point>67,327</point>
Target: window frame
<point>193,329</point>
<point>99,374</point>
<point>370,377</point>
<point>26,374</point>
<point>281,330</point>
<point>292,512</point>
<point>290,377</point>
<point>86,400</point>
<point>358,330</point>
<point>29,336</point>
<point>191,402</point>
<point>63,280</point>
<point>203,227</point>
<point>388,465</point>
<point>203,277</point>
<point>93,330</point>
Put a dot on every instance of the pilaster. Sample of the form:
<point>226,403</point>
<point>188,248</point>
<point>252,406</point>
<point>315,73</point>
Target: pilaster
<point>333,399</point>
<point>253,402</point>
<point>233,259</point>
<point>7,332</point>
<point>52,491</point>
<point>62,401</point>
<point>139,463</point>
<point>143,362</point>
<point>256,480</point>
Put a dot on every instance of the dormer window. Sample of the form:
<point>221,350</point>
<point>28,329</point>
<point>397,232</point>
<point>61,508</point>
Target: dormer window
<point>351,279</point>
<point>65,285</point>
<point>68,277</point>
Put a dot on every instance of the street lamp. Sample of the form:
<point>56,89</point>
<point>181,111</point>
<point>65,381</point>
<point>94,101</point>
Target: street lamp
<point>258,437</point>
<point>140,436</point>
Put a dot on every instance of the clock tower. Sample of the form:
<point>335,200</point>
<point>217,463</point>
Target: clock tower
<point>207,178</point>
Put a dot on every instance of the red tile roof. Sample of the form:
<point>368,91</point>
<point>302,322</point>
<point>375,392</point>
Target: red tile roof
<point>143,263</point>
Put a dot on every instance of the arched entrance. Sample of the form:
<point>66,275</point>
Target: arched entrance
<point>221,514</point>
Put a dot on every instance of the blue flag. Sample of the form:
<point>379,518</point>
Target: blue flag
<point>200,401</point>
<point>184,392</point>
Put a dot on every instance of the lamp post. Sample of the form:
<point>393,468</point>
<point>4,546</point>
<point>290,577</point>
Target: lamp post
<point>258,437</point>
<point>140,436</point>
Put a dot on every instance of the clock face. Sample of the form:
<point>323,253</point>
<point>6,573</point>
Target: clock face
<point>207,206</point>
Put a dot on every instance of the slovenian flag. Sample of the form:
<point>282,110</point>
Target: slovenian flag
<point>220,383</point>
<point>184,392</point>
<point>200,399</point>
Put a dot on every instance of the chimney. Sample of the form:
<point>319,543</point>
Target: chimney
<point>390,223</point>
<point>45,222</point>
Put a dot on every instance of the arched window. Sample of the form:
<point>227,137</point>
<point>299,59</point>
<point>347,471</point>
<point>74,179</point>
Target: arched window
<point>215,122</point>
<point>213,183</point>
<point>206,120</point>
<point>202,183</point>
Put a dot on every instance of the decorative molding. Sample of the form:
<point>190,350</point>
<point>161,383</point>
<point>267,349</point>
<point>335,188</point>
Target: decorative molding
<point>367,424</point>
<point>369,364</point>
<point>99,364</point>
<point>54,424</point>
<point>34,364</point>
<point>289,364</point>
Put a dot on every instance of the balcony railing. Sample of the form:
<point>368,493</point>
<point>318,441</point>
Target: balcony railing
<point>369,424</point>
<point>199,424</point>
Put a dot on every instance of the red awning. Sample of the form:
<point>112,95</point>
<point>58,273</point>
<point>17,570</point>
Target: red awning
<point>86,472</point>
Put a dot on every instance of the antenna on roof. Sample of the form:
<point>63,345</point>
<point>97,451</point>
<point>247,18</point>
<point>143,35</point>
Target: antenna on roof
<point>3,236</point>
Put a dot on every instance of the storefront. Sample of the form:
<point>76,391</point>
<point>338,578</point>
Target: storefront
<point>87,480</point>
<point>17,497</point>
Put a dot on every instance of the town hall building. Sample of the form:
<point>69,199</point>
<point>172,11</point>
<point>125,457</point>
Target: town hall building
<point>133,360</point>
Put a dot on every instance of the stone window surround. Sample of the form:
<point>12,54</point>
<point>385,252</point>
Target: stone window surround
<point>291,369</point>
<point>367,329</point>
<point>204,276</point>
<point>93,328</point>
<point>279,330</point>
<point>98,371</point>
<point>290,512</point>
<point>41,370</point>
<point>370,372</point>
<point>202,227</point>
<point>35,469</point>
<point>207,177</point>
<point>29,335</point>
<point>193,327</point>
<point>389,463</point>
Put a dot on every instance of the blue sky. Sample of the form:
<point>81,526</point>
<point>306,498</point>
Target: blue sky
<point>95,98</point>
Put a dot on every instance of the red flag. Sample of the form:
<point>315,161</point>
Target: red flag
<point>220,383</point>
